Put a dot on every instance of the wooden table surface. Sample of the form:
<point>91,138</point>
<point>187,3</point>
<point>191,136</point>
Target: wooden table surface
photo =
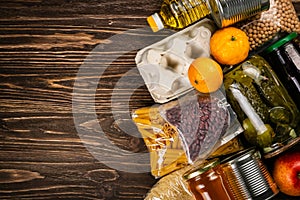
<point>60,85</point>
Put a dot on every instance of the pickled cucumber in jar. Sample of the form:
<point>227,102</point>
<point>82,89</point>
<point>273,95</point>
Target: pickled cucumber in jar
<point>269,116</point>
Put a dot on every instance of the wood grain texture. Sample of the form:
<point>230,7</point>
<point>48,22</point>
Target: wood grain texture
<point>42,46</point>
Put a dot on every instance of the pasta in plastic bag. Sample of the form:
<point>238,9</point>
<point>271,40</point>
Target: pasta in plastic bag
<point>175,142</point>
<point>161,139</point>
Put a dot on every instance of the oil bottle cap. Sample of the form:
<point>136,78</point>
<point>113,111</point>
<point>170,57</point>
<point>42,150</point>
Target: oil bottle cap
<point>155,22</point>
<point>281,42</point>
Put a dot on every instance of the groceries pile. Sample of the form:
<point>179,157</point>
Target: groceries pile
<point>226,87</point>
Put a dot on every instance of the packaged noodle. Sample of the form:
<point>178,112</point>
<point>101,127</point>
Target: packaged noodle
<point>185,130</point>
<point>162,140</point>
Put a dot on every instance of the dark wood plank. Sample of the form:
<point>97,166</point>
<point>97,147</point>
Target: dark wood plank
<point>43,44</point>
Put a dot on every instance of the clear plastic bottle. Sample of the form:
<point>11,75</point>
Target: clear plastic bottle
<point>178,14</point>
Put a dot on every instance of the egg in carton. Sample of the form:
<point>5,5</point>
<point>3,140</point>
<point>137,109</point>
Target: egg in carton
<point>164,65</point>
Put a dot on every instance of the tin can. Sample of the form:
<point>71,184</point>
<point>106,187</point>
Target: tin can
<point>207,182</point>
<point>248,177</point>
<point>227,12</point>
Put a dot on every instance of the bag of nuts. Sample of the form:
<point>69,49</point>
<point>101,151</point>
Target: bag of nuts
<point>280,17</point>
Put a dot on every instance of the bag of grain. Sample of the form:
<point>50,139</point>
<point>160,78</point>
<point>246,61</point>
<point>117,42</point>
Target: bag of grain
<point>261,28</point>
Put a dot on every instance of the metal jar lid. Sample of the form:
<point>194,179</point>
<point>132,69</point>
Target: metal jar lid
<point>202,168</point>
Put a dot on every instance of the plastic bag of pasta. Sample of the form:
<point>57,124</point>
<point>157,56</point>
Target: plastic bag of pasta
<point>190,128</point>
<point>161,139</point>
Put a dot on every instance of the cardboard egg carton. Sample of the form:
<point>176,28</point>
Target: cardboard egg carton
<point>164,65</point>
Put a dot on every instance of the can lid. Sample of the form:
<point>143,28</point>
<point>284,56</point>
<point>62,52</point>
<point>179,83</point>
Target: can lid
<point>155,22</point>
<point>281,42</point>
<point>240,156</point>
<point>200,169</point>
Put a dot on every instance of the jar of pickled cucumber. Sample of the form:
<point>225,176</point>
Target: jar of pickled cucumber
<point>268,114</point>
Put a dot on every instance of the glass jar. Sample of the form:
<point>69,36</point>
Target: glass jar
<point>207,182</point>
<point>284,57</point>
<point>267,113</point>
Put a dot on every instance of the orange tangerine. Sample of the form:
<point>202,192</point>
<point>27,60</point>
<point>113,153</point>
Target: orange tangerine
<point>205,75</point>
<point>229,46</point>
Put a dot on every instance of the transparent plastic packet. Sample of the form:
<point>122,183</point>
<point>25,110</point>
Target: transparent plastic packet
<point>161,139</point>
<point>171,187</point>
<point>167,143</point>
<point>263,27</point>
<point>232,146</point>
<point>204,122</point>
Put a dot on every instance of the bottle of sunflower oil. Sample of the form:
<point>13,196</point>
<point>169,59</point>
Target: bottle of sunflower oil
<point>178,14</point>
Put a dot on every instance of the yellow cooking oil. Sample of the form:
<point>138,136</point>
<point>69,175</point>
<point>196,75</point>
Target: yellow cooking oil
<point>178,14</point>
